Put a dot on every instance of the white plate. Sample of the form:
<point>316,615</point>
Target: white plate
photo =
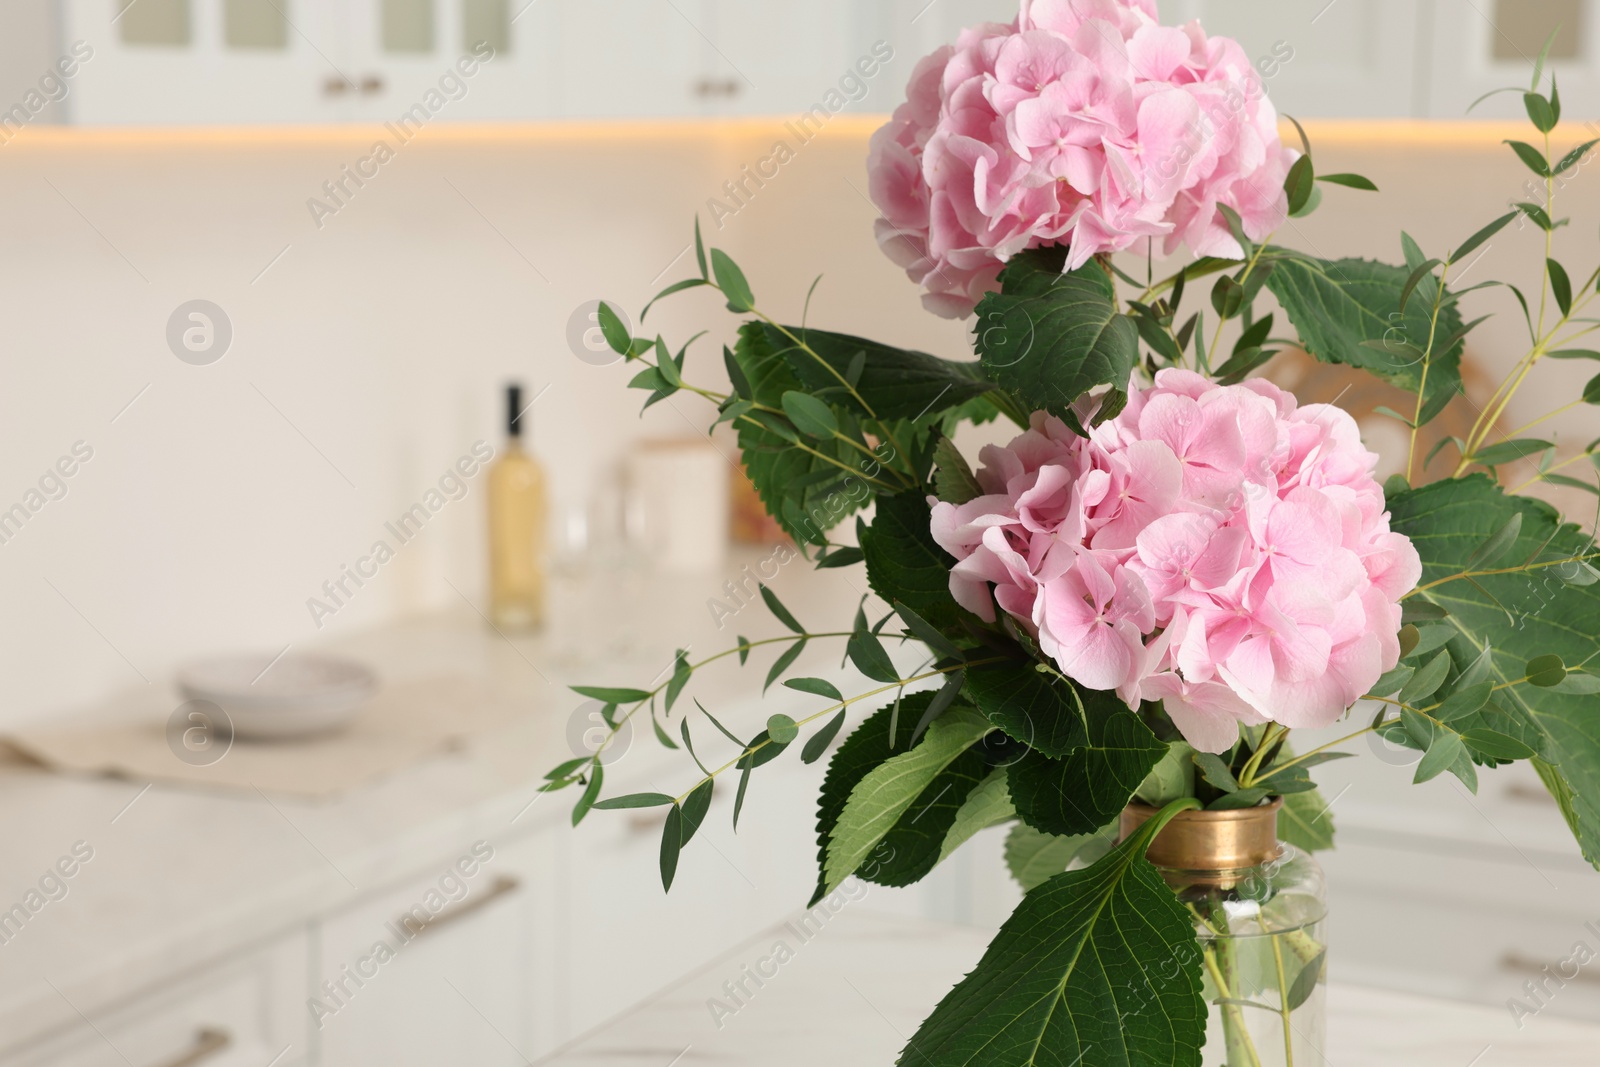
<point>296,696</point>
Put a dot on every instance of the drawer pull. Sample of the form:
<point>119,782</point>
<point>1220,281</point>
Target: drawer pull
<point>501,886</point>
<point>207,1043</point>
<point>1515,964</point>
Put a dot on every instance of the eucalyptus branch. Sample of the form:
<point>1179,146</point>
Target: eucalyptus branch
<point>1427,360</point>
<point>1519,569</point>
<point>750,750</point>
<point>1542,474</point>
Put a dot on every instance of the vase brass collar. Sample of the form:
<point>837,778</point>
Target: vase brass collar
<point>1210,840</point>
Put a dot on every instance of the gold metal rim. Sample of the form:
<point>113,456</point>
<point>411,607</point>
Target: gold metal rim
<point>1210,841</point>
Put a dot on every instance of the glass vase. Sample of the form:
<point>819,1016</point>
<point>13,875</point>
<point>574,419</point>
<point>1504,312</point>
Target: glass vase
<point>1259,907</point>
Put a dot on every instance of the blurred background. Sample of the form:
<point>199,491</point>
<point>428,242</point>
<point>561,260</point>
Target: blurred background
<point>270,265</point>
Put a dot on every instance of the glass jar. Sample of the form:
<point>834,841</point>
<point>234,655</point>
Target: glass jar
<point>1259,907</point>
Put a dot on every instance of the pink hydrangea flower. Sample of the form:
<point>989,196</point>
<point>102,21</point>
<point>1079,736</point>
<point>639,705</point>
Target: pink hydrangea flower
<point>1217,548</point>
<point>1084,123</point>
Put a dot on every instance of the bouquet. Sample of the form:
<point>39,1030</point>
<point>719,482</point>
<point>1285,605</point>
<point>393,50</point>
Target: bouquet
<point>1172,566</point>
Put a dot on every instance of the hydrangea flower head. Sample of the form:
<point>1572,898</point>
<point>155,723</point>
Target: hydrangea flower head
<point>1084,123</point>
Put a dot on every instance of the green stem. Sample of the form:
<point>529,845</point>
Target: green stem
<point>1283,1004</point>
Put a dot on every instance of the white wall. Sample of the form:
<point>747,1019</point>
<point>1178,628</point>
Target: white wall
<point>207,517</point>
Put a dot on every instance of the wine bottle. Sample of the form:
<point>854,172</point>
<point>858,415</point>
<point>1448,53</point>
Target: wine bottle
<point>517,515</point>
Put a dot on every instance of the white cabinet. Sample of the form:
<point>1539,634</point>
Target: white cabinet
<point>439,969</point>
<point>246,1012</point>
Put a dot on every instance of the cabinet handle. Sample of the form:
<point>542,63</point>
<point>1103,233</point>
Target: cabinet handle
<point>207,1043</point>
<point>1512,963</point>
<point>371,84</point>
<point>335,87</point>
<point>706,88</point>
<point>501,886</point>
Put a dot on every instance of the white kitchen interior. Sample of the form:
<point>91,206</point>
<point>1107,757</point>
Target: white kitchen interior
<point>540,155</point>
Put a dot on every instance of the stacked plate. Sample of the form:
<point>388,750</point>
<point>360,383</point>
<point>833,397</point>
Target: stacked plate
<point>277,698</point>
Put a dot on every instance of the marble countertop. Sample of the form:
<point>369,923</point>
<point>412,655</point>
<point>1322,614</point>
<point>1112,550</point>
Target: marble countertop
<point>183,876</point>
<point>854,991</point>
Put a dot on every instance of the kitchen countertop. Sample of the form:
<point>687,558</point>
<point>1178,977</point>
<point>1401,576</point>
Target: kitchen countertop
<point>858,988</point>
<point>183,876</point>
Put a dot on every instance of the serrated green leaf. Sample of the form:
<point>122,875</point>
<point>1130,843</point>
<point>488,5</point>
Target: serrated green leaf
<point>888,791</point>
<point>1069,975</point>
<point>1305,822</point>
<point>1034,857</point>
<point>905,564</point>
<point>953,480</point>
<point>1337,306</point>
<point>989,804</point>
<point>1083,790</point>
<point>1050,337</point>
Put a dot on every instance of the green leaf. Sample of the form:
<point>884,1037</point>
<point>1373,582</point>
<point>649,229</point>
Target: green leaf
<point>1466,700</point>
<point>1423,270</point>
<point>1540,112</point>
<point>1539,216</point>
<point>1591,392</point>
<point>1560,286</point>
<point>1087,788</point>
<point>1337,306</point>
<point>819,686</point>
<point>1305,983</point>
<point>1076,972</point>
<point>896,383</point>
<point>823,738</point>
<point>635,800</point>
<point>665,367</point>
<point>920,628</point>
<point>782,729</point>
<point>1496,745</point>
<point>1532,157</point>
<point>1497,545</point>
<point>1515,618</point>
<point>1546,671</point>
<point>1572,158</point>
<point>953,480</point>
<point>870,657</point>
<point>591,792</point>
<point>810,416</point>
<point>613,330</point>
<point>1215,771</point>
<point>671,845</point>
<point>700,250</point>
<point>681,672</point>
<point>1299,184</point>
<point>888,791</point>
<point>989,804</point>
<point>675,287</point>
<point>1034,857</point>
<point>1043,711</point>
<point>844,556</point>
<point>1427,680</point>
<point>1352,181</point>
<point>731,280</point>
<point>780,612</point>
<point>1050,337</point>
<point>741,384</point>
<point>608,695</point>
<point>905,565</point>
<point>1305,822</point>
<point>1510,451</point>
<point>1443,751</point>
<point>1171,779</point>
<point>1227,296</point>
<point>783,663</point>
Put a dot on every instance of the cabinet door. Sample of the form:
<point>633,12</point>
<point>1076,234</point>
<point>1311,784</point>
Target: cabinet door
<point>1495,46</point>
<point>1344,58</point>
<point>420,61</point>
<point>434,971</point>
<point>622,58</point>
<point>771,58</point>
<point>245,1012</point>
<point>206,61</point>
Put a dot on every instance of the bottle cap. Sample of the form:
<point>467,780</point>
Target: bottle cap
<point>514,413</point>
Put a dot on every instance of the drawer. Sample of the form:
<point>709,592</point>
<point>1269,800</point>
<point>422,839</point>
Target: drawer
<point>434,970</point>
<point>236,1013</point>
